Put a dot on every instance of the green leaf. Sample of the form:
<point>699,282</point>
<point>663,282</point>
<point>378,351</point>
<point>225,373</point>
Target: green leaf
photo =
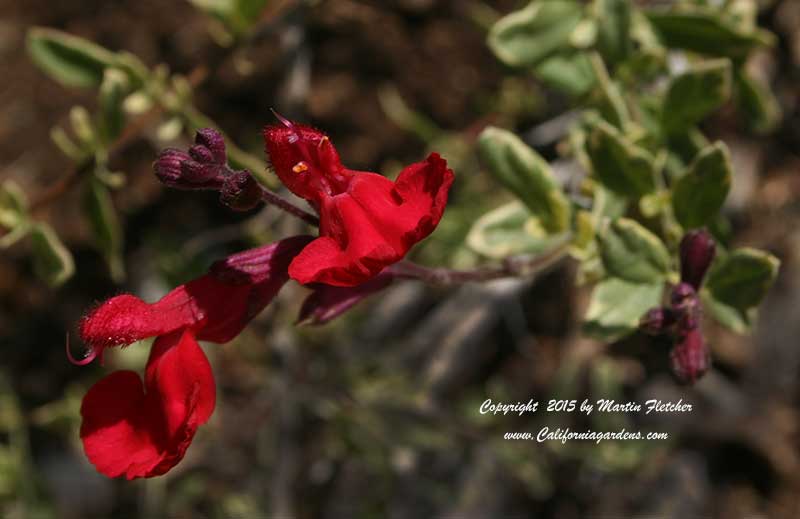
<point>584,35</point>
<point>695,94</point>
<point>249,10</point>
<point>698,195</point>
<point>568,72</point>
<point>632,253</point>
<point>523,172</point>
<point>736,320</point>
<point>707,31</point>
<point>686,145</point>
<point>619,164</point>
<point>617,305</point>
<point>105,226</point>
<point>742,278</point>
<point>526,37</point>
<point>237,15</point>
<point>608,204</point>
<point>82,125</point>
<point>757,102</point>
<point>67,146</point>
<point>611,104</point>
<point>112,94</point>
<point>13,205</point>
<point>52,261</point>
<point>508,230</point>
<point>614,27</point>
<point>71,60</point>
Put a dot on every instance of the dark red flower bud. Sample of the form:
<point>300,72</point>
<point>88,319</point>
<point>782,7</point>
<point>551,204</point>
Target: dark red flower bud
<point>328,302</point>
<point>697,253</point>
<point>214,142</point>
<point>240,191</point>
<point>685,306</point>
<point>690,358</point>
<point>168,165</point>
<point>177,169</point>
<point>196,173</point>
<point>657,321</point>
<point>680,293</point>
<point>201,154</point>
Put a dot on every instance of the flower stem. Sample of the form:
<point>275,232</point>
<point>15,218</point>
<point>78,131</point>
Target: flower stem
<point>513,266</point>
<point>270,197</point>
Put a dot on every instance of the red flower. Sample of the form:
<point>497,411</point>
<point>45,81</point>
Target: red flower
<point>143,429</point>
<point>366,221</point>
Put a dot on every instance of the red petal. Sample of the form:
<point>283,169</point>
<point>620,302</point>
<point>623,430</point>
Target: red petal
<point>350,251</point>
<point>125,319</point>
<point>374,224</point>
<point>138,431</point>
<point>424,187</point>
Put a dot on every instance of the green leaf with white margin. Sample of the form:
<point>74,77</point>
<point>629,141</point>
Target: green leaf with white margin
<point>742,278</point>
<point>699,193</point>
<point>696,93</point>
<point>614,28</point>
<point>13,213</point>
<point>71,60</point>
<point>527,37</point>
<point>610,102</point>
<point>617,305</point>
<point>617,163</point>
<point>568,72</point>
<point>52,260</point>
<point>112,94</point>
<point>106,228</point>
<point>736,285</point>
<point>523,172</point>
<point>508,230</point>
<point>707,31</point>
<point>13,205</point>
<point>734,319</point>
<point>757,102</point>
<point>632,253</point>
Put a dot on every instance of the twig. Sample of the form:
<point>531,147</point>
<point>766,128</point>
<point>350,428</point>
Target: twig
<point>513,266</point>
<point>281,203</point>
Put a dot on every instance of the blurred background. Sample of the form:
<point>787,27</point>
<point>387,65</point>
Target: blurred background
<point>376,414</point>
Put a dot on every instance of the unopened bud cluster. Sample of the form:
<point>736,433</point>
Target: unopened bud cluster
<point>205,166</point>
<point>680,318</point>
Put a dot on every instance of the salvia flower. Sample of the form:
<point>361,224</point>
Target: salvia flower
<point>141,428</point>
<point>367,222</point>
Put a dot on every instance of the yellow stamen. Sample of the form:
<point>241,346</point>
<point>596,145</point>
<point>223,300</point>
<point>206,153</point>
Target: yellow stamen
<point>300,167</point>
